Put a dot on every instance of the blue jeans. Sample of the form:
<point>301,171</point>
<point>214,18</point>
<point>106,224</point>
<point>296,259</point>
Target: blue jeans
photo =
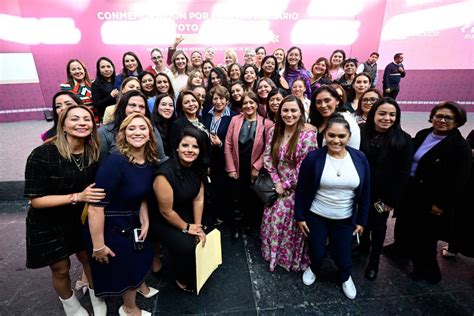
<point>340,236</point>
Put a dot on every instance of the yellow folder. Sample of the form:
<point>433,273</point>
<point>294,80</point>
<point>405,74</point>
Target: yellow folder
<point>208,258</point>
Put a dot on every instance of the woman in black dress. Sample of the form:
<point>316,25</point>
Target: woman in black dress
<point>59,179</point>
<point>179,189</point>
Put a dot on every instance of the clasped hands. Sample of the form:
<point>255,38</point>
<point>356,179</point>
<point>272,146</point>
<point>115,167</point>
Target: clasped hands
<point>198,231</point>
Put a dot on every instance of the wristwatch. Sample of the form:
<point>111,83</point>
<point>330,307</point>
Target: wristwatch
<point>186,230</point>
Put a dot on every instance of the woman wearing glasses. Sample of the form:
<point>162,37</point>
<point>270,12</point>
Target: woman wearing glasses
<point>366,100</point>
<point>439,171</point>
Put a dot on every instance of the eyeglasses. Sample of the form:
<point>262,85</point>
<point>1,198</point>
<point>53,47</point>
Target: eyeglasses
<point>446,118</point>
<point>369,100</point>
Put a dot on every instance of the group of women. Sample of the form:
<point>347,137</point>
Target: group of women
<point>171,162</point>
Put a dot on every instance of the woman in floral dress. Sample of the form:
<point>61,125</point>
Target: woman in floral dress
<point>287,145</point>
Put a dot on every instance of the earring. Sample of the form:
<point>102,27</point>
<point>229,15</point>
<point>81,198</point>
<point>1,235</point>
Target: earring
<point>65,134</point>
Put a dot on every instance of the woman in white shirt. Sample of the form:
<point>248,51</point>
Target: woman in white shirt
<point>332,201</point>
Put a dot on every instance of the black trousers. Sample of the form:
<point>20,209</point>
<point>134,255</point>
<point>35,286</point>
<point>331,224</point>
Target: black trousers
<point>393,93</point>
<point>425,235</point>
<point>374,235</point>
<point>246,207</point>
<point>339,232</point>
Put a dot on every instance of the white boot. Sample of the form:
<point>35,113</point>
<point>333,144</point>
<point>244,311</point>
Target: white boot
<point>72,307</point>
<point>98,304</point>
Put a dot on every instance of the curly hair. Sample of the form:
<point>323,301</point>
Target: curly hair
<point>151,151</point>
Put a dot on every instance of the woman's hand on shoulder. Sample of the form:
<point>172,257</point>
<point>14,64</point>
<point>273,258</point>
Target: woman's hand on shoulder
<point>91,194</point>
<point>309,128</point>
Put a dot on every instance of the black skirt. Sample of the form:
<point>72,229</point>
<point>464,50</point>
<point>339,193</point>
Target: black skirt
<point>49,240</point>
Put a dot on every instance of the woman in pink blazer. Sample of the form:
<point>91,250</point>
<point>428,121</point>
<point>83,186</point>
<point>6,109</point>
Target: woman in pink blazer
<point>244,146</point>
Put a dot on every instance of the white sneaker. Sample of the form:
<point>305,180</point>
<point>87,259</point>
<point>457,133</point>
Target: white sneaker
<point>308,276</point>
<point>349,289</point>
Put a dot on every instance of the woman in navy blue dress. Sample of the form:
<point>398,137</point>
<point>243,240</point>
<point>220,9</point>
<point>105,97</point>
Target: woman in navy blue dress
<point>119,264</point>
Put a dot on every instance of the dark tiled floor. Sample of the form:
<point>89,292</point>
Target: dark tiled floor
<point>244,286</point>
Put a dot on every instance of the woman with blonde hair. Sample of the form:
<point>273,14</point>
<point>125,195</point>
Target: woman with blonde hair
<point>180,69</point>
<point>117,227</point>
<point>230,57</point>
<point>59,179</point>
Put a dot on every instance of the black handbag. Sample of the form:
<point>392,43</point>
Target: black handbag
<point>265,188</point>
<point>263,185</point>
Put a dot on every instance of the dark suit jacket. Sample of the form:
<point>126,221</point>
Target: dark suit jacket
<point>389,169</point>
<point>309,180</point>
<point>443,171</point>
<point>216,152</point>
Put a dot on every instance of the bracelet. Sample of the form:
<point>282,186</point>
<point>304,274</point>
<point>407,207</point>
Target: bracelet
<point>99,249</point>
<point>73,198</point>
<point>186,230</point>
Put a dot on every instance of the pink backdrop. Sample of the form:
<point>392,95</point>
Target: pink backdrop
<point>438,59</point>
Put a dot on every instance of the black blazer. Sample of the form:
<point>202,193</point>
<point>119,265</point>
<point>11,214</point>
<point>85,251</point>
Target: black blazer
<point>217,153</point>
<point>442,173</point>
<point>101,95</point>
<point>389,168</point>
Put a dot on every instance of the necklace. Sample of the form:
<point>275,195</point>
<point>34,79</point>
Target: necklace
<point>78,161</point>
<point>338,171</point>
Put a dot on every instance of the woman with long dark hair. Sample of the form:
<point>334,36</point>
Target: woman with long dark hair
<point>103,91</point>
<point>148,87</point>
<point>237,90</point>
<point>131,67</point>
<point>163,116</point>
<point>269,70</point>
<point>335,64</point>
<point>249,77</point>
<point>389,151</point>
<point>283,243</point>
<point>360,85</point>
<point>366,101</point>
<point>131,102</point>
<point>188,106</point>
<point>273,105</point>
<point>179,189</point>
<point>324,103</point>
<point>61,101</point>
<point>320,73</point>
<point>294,69</point>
